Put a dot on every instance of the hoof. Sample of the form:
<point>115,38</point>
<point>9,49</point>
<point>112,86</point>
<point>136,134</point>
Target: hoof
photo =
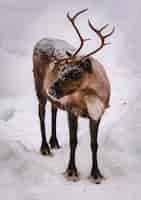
<point>45,151</point>
<point>54,144</point>
<point>71,175</point>
<point>96,177</point>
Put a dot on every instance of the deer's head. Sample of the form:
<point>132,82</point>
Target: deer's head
<point>70,78</point>
<point>75,68</point>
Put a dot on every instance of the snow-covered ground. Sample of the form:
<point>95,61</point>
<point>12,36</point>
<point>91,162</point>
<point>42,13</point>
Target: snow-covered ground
<point>24,173</point>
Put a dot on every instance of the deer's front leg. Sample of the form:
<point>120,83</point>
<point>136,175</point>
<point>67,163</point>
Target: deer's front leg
<point>45,150</point>
<point>53,139</point>
<point>71,172</point>
<point>96,175</point>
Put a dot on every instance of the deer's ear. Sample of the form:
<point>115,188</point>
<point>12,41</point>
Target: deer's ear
<point>87,65</point>
<point>68,54</point>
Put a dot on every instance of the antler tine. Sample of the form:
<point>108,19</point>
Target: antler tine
<point>109,34</point>
<point>80,12</point>
<point>102,37</point>
<point>103,27</point>
<point>72,20</point>
<point>98,32</point>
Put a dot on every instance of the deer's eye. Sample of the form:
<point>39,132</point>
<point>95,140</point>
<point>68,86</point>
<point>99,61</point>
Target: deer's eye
<point>76,75</point>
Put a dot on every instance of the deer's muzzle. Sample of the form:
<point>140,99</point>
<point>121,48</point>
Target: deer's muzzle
<point>55,93</point>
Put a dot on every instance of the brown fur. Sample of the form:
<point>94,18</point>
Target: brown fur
<point>93,85</point>
<point>77,84</point>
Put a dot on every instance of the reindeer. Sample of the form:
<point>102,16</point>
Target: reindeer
<point>75,83</point>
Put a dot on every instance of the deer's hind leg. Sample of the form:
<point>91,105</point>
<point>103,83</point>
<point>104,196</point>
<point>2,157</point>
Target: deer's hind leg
<point>42,100</point>
<point>45,150</point>
<point>53,139</point>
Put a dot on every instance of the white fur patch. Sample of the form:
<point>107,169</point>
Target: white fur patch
<point>51,66</point>
<point>95,108</point>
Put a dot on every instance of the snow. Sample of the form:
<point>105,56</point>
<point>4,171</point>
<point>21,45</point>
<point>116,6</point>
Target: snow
<point>27,175</point>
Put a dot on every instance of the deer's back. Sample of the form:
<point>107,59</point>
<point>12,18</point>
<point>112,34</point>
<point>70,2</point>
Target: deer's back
<point>48,47</point>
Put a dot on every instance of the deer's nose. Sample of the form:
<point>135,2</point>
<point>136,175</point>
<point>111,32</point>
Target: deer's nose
<point>52,92</point>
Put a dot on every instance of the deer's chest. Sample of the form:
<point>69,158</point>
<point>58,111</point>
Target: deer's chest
<point>73,103</point>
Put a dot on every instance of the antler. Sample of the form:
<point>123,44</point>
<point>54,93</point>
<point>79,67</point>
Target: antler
<point>102,37</point>
<point>82,40</point>
<point>72,20</point>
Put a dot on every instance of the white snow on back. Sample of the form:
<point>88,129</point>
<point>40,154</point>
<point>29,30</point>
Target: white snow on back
<point>53,42</point>
<point>54,47</point>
